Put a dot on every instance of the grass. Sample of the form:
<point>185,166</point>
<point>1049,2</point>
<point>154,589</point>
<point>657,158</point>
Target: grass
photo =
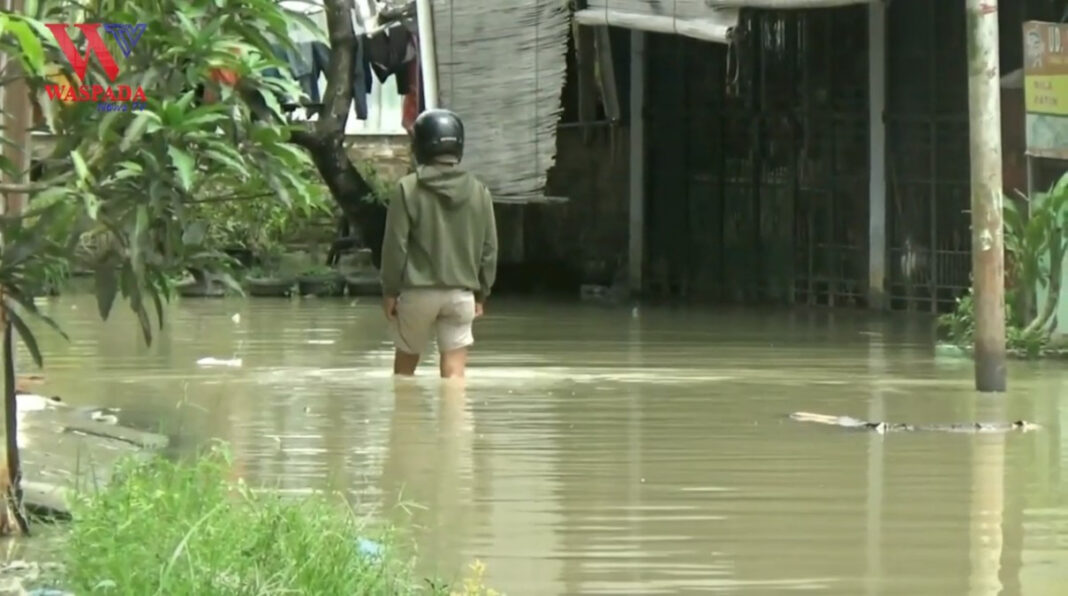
<point>184,528</point>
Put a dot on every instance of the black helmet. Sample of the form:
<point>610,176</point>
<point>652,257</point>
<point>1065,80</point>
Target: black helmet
<point>437,133</point>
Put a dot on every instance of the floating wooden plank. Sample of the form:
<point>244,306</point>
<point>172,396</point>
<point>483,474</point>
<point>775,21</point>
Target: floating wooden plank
<point>138,438</point>
<point>851,423</point>
<point>65,451</point>
<point>46,500</point>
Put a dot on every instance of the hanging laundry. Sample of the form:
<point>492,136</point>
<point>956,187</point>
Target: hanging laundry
<point>387,53</point>
<point>321,64</point>
<point>359,86</point>
<point>413,97</point>
<point>307,62</point>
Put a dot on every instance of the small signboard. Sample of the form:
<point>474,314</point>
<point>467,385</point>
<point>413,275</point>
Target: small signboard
<point>1046,88</point>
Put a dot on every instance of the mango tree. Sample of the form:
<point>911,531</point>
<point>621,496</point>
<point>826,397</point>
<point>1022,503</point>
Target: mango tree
<point>115,192</point>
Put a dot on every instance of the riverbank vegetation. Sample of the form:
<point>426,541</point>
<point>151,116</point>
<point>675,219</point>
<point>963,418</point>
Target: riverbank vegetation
<point>211,163</point>
<point>186,528</point>
<point>1036,242</point>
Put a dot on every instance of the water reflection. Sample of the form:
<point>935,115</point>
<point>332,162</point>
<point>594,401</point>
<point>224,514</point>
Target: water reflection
<point>429,470</point>
<point>592,451</point>
<point>988,503</point>
<point>876,455</point>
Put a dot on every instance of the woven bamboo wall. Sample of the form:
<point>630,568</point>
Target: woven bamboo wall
<point>502,68</point>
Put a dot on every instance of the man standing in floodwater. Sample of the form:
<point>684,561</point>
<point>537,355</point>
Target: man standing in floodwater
<point>439,254</point>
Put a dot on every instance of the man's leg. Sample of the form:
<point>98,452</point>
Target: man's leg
<point>454,333</point>
<point>411,330</point>
<point>453,364</point>
<point>404,363</point>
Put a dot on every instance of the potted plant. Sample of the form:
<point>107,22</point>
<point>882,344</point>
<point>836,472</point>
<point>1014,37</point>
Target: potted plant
<point>197,284</point>
<point>363,283</point>
<point>267,279</point>
<point>320,280</point>
<point>267,282</point>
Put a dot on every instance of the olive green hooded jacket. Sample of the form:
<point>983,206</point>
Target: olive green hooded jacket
<point>440,233</point>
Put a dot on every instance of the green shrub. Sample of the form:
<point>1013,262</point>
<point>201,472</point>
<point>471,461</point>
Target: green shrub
<point>958,327</point>
<point>171,528</point>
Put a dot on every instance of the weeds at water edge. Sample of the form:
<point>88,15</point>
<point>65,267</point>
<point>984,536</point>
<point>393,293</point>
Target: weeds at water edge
<point>182,528</point>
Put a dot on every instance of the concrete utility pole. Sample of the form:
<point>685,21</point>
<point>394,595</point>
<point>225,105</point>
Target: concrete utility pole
<point>988,260</point>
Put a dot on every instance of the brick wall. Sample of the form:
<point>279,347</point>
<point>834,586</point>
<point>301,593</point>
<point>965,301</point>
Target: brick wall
<point>389,154</point>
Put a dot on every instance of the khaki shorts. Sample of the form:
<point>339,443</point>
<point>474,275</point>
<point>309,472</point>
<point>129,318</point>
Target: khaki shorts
<point>448,314</point>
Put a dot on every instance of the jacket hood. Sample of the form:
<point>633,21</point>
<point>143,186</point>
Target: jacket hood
<point>451,184</point>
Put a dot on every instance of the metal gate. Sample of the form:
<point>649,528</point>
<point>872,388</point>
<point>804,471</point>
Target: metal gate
<point>757,171</point>
<point>927,155</point>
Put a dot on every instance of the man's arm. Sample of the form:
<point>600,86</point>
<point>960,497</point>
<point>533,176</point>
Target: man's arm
<point>395,245</point>
<point>487,272</point>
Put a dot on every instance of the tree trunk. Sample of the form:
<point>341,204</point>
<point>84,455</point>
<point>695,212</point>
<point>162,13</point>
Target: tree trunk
<point>13,494</point>
<point>348,188</point>
<point>325,140</point>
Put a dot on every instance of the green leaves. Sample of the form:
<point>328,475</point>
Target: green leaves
<point>107,288</point>
<point>194,234</point>
<point>137,129</point>
<point>32,56</point>
<point>80,167</point>
<point>184,164</point>
<point>132,192</point>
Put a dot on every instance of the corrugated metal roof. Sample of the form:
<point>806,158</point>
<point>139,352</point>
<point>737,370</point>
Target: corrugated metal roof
<point>775,4</point>
<point>715,25</point>
<point>708,20</point>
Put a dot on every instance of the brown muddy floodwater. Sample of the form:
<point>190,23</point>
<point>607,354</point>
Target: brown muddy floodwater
<point>607,451</point>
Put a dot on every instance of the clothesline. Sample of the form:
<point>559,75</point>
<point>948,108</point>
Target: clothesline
<point>387,48</point>
<point>369,18</point>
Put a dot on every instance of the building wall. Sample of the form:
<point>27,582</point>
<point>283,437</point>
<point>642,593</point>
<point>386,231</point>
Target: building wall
<point>585,239</point>
<point>389,154</point>
<point>552,246</point>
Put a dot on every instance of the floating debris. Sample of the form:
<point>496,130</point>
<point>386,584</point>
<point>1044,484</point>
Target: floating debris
<point>210,361</point>
<point>369,548</point>
<point>104,416</point>
<point>849,422</point>
<point>31,402</point>
<point>15,576</point>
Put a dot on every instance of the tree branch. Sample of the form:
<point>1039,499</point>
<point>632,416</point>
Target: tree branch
<point>337,100</point>
<point>324,140</point>
<point>234,198</point>
<point>15,189</point>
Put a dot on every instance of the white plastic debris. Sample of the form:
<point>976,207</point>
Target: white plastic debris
<point>236,318</point>
<point>105,417</point>
<point>210,361</point>
<point>31,402</point>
